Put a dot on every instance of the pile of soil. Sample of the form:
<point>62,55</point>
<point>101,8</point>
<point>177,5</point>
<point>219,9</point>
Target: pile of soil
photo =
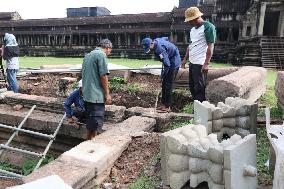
<point>134,159</point>
<point>44,84</point>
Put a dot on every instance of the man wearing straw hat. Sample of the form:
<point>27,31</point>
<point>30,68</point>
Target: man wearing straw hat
<point>199,51</point>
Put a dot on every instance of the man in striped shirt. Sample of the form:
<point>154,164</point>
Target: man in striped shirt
<point>199,51</point>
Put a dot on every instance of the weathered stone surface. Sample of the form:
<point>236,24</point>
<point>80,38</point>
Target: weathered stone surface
<point>206,158</point>
<point>236,115</point>
<point>203,114</point>
<point>279,86</point>
<point>276,139</point>
<point>234,164</point>
<point>182,75</point>
<point>49,182</point>
<point>92,159</point>
<point>50,104</point>
<point>61,66</point>
<point>114,113</point>
<point>248,83</point>
<point>162,119</point>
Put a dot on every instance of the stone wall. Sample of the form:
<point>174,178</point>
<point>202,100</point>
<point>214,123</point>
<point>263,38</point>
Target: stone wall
<point>279,89</point>
<point>235,116</point>
<point>248,82</point>
<point>188,153</point>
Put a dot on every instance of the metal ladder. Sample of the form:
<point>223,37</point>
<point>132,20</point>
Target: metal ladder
<point>19,128</point>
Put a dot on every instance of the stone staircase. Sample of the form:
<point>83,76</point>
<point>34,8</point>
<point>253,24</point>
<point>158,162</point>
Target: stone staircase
<point>248,52</point>
<point>272,52</point>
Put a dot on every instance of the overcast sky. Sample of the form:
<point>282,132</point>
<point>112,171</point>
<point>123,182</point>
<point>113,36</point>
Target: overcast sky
<point>33,9</point>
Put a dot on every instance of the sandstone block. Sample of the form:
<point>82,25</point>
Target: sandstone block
<point>248,82</point>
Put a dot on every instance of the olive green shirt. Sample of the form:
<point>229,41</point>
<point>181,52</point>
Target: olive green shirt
<point>94,66</point>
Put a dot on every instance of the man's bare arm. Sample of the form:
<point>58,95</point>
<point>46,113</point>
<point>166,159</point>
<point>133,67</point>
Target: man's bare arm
<point>104,81</point>
<point>209,54</point>
<point>185,58</point>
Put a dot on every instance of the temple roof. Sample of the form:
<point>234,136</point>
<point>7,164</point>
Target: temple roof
<point>7,16</point>
<point>108,19</point>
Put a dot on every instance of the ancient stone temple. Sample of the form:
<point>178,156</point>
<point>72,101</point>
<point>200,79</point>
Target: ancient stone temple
<point>249,32</point>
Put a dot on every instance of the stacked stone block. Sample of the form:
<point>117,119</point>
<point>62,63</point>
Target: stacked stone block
<point>188,153</point>
<point>235,116</point>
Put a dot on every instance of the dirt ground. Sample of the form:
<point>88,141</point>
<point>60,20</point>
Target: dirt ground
<point>134,159</point>
<point>138,157</point>
<point>140,90</point>
<point>4,183</point>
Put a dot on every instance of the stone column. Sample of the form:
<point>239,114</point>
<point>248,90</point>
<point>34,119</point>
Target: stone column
<point>244,30</point>
<point>70,40</point>
<point>118,39</point>
<point>127,39</point>
<point>281,23</point>
<point>88,40</point>
<point>138,40</point>
<point>172,36</point>
<point>48,39</point>
<point>261,18</point>
<point>230,35</point>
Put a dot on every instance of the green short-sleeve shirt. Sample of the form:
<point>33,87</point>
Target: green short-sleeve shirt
<point>94,66</point>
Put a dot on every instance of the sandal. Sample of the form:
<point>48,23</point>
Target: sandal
<point>164,110</point>
<point>160,107</point>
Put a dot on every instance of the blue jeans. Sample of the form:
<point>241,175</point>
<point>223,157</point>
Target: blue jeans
<point>12,80</point>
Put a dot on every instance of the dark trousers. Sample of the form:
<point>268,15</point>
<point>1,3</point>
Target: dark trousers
<point>80,114</point>
<point>167,87</point>
<point>95,116</point>
<point>197,82</point>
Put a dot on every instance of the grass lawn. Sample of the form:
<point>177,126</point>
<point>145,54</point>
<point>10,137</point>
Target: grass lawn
<point>36,62</point>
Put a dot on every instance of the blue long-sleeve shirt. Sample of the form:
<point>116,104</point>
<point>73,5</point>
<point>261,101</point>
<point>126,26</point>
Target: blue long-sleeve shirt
<point>75,98</point>
<point>168,54</point>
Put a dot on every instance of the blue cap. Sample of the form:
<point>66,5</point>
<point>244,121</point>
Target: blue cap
<point>146,42</point>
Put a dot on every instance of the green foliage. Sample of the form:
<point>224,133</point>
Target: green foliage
<point>179,122</point>
<point>116,83</point>
<point>134,88</point>
<point>275,112</point>
<point>264,175</point>
<point>188,108</point>
<point>183,92</point>
<point>219,65</point>
<point>270,100</point>
<point>143,182</point>
<point>30,165</point>
<point>146,182</point>
<point>9,167</point>
<point>271,77</point>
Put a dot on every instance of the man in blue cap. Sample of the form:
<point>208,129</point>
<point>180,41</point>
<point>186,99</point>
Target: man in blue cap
<point>169,55</point>
<point>75,114</point>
